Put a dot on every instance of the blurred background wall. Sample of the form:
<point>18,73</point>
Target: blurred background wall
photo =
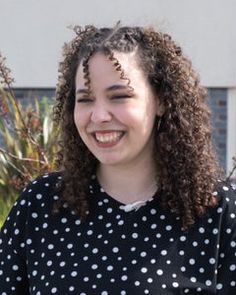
<point>32,33</point>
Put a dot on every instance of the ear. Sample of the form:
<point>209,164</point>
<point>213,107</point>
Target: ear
<point>160,108</point>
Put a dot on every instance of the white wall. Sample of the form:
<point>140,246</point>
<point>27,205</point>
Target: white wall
<point>32,33</point>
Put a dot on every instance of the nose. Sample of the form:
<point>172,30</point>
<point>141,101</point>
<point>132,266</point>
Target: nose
<point>100,113</point>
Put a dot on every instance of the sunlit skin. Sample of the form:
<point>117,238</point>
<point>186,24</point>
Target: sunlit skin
<point>115,123</point>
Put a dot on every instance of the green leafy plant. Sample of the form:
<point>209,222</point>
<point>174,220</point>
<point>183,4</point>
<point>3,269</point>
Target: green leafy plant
<point>28,141</point>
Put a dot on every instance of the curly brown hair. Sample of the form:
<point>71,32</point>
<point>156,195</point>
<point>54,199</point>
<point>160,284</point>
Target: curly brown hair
<point>183,148</point>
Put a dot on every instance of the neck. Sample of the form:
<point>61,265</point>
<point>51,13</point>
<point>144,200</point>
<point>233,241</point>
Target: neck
<point>128,184</point>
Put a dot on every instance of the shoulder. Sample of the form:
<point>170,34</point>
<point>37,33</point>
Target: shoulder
<point>43,189</point>
<point>43,182</point>
<point>226,208</point>
<point>226,195</point>
<point>35,199</point>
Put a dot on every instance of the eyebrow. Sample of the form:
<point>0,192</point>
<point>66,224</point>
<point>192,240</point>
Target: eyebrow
<point>117,87</point>
<point>110,88</point>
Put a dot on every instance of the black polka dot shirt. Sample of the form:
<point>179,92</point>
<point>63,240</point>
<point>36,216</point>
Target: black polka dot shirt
<point>141,251</point>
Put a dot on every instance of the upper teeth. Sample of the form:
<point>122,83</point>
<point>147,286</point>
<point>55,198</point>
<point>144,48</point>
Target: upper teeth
<point>109,137</point>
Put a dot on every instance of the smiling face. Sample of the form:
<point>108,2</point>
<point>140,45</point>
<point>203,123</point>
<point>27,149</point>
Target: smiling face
<point>114,122</point>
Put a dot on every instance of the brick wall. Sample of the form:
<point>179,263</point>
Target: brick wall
<point>217,98</point>
<point>25,96</point>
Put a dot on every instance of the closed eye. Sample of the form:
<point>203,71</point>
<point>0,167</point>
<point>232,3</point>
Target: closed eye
<point>84,99</point>
<point>121,96</point>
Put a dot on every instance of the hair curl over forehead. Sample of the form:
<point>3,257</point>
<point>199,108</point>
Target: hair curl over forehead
<point>184,157</point>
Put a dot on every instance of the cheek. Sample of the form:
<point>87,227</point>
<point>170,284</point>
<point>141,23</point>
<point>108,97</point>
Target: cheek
<point>79,118</point>
<point>76,118</point>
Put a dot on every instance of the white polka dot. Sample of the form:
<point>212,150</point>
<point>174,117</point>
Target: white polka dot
<point>95,251</point>
<point>74,273</point>
<point>215,231</point>
<point>233,244</point>
<point>219,286</point>
<point>193,279</point>
<point>28,241</point>
<point>219,210</point>
<point>143,254</point>
<point>160,272</point>
<point>163,252</point>
<point>228,230</point>
<point>192,261</point>
<point>163,286</point>
<point>115,250</point>
<point>212,260</point>
<point>232,267</point>
<point>15,267</point>
<point>201,230</point>
<point>208,283</point>
<point>144,269</point>
<point>175,284</point>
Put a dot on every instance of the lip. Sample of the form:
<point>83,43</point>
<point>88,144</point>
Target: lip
<point>106,131</point>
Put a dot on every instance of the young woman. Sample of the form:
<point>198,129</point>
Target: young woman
<point>136,207</point>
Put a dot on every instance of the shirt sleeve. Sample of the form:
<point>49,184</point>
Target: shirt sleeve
<point>226,271</point>
<point>13,270</point>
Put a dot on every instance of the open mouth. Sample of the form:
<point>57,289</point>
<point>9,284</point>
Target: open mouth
<point>108,137</point>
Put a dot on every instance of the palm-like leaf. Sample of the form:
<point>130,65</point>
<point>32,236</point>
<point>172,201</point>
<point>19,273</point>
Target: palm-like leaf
<point>28,144</point>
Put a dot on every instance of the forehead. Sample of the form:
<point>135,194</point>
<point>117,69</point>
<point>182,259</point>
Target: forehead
<point>103,71</point>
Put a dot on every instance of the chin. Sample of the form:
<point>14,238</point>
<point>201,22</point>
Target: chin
<point>109,161</point>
